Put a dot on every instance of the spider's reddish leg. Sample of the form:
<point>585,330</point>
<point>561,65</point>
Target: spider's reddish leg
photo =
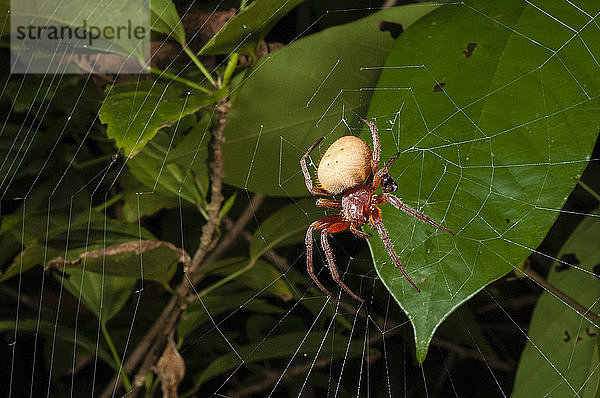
<point>376,146</point>
<point>307,178</point>
<point>333,268</point>
<point>309,256</point>
<point>378,224</point>
<point>321,202</point>
<point>397,203</point>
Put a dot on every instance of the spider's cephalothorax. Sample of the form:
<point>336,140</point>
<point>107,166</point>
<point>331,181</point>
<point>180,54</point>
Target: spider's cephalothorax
<point>351,169</point>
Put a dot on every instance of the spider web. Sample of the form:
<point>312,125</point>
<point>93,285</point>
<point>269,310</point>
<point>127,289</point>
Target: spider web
<point>342,348</point>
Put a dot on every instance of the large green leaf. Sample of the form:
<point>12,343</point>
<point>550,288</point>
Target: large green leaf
<point>305,89</point>
<point>60,332</point>
<point>495,118</point>
<point>561,355</point>
<point>282,346</point>
<point>134,112</point>
<point>243,32</point>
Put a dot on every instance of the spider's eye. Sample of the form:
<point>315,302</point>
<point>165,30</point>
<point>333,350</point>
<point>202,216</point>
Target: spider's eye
<point>388,183</point>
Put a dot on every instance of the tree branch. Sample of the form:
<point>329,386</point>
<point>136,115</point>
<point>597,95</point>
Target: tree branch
<point>156,337</point>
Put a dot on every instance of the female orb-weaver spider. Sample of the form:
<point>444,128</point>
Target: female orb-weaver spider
<point>351,169</point>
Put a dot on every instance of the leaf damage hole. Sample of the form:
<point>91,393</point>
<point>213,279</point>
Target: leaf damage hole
<point>439,87</point>
<point>596,270</point>
<point>566,261</point>
<point>469,50</point>
<point>590,333</point>
<point>395,29</point>
<point>567,336</point>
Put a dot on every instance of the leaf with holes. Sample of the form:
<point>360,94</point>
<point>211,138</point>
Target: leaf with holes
<point>564,362</point>
<point>494,131</point>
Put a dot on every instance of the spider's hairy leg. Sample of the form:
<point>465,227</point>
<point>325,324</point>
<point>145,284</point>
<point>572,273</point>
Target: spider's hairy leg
<point>309,255</point>
<point>397,203</point>
<point>376,146</point>
<point>307,177</point>
<point>378,224</point>
<point>321,202</point>
<point>331,261</point>
<point>354,229</point>
<point>381,173</point>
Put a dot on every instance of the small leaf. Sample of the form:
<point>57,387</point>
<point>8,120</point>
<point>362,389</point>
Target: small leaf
<point>104,295</point>
<point>165,19</point>
<point>563,359</point>
<point>243,32</point>
<point>227,205</point>
<point>134,112</point>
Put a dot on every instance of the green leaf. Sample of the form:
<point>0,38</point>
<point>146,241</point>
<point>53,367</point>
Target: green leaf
<point>104,295</point>
<point>305,90</point>
<point>261,277</point>
<point>160,169</point>
<point>560,358</point>
<point>69,238</point>
<point>282,346</point>
<point>165,19</point>
<point>286,226</point>
<point>63,333</point>
<point>134,112</point>
<point>211,306</point>
<point>491,154</point>
<point>140,259</point>
<point>243,32</point>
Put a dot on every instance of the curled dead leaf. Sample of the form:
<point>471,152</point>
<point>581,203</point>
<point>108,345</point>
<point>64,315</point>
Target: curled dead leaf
<point>170,369</point>
<point>138,247</point>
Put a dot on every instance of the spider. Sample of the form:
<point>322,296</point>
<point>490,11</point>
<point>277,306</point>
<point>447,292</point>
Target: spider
<point>351,169</point>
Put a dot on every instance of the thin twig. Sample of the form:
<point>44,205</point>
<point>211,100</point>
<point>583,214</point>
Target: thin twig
<point>543,282</point>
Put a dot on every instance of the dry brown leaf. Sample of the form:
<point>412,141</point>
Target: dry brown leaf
<point>132,246</point>
<point>170,369</point>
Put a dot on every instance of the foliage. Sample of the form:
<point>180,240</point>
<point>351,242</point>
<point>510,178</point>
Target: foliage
<point>116,193</point>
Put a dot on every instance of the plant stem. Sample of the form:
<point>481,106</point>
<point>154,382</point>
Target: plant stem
<point>109,202</point>
<point>115,355</point>
<point>589,190</point>
<point>199,65</point>
<point>543,282</point>
<point>182,80</point>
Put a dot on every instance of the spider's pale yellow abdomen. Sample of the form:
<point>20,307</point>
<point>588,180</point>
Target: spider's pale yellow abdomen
<point>345,164</point>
